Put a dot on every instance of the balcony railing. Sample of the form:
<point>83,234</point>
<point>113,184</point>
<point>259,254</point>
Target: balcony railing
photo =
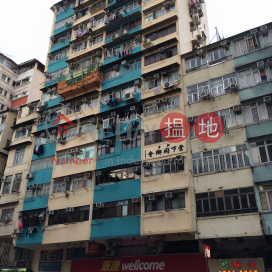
<point>81,79</point>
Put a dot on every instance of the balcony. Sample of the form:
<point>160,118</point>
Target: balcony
<point>37,202</point>
<point>47,125</point>
<point>41,176</point>
<point>95,7</point>
<point>57,65</point>
<point>63,29</point>
<point>78,81</point>
<point>262,172</point>
<point>123,129</point>
<point>244,225</point>
<point>26,240</point>
<point>116,227</point>
<point>255,91</point>
<point>117,191</point>
<point>259,130</point>
<point>60,45</point>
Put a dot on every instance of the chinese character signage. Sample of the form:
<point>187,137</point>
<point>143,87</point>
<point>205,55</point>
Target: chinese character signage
<point>237,265</point>
<point>93,248</point>
<point>163,263</point>
<point>50,266</point>
<point>163,150</point>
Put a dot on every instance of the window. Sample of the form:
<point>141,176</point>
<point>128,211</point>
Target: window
<point>2,106</point>
<point>257,112</point>
<point>72,132</point>
<point>133,143</point>
<point>84,128</point>
<point>130,89</point>
<point>49,139</point>
<point>68,6</point>
<point>23,254</point>
<point>220,159</point>
<point>231,119</point>
<point>112,52</point>
<point>1,60</point>
<point>247,44</point>
<point>132,66</point>
<point>113,32</point>
<point>103,149</point>
<point>132,24</point>
<point>268,37</point>
<point>96,40</point>
<point>49,96</point>
<point>85,64</point>
<point>80,106</point>
<point>41,164</point>
<point>61,186</point>
<point>153,137</point>
<point>132,6</point>
<point>7,214</point>
<point>64,158</point>
<point>249,77</point>
<point>80,214</point>
<point>19,156</point>
<point>171,77</point>
<point>261,151</point>
<point>59,56</point>
<point>2,92</point>
<point>158,13</point>
<point>5,78</point>
<point>7,185</point>
<point>63,22</point>
<point>17,182</point>
<point>79,47</point>
<point>56,74</point>
<point>105,98</point>
<point>234,201</point>
<point>161,32</point>
<point>152,83</point>
<point>20,134</point>
<point>116,209</point>
<point>131,44</point>
<point>82,13</point>
<point>110,74</point>
<point>86,153</point>
<point>216,55</point>
<point>119,175</point>
<point>32,108</point>
<point>49,255</point>
<point>11,67</point>
<point>265,192</point>
<point>62,38</point>
<point>44,189</point>
<point>169,52</point>
<point>81,182</point>
<point>3,120</point>
<point>177,201</point>
<point>215,87</point>
<point>193,63</point>
<point>98,22</point>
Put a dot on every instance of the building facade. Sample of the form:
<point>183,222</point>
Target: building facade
<point>103,187</point>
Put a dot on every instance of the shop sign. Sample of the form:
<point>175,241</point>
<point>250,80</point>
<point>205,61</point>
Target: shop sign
<point>136,241</point>
<point>237,265</point>
<point>50,266</point>
<point>157,263</point>
<point>93,248</point>
<point>165,149</point>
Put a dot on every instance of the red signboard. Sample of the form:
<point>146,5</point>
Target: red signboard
<point>93,248</point>
<point>158,263</point>
<point>207,251</point>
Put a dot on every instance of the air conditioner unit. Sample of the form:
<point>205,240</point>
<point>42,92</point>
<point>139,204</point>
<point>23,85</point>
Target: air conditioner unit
<point>267,99</point>
<point>161,49</point>
<point>115,36</point>
<point>99,205</point>
<point>87,175</point>
<point>76,150</point>
<point>136,170</point>
<point>168,85</point>
<point>260,65</point>
<point>147,42</point>
<point>98,53</point>
<point>70,151</point>
<point>54,131</point>
<point>137,82</point>
<point>124,32</point>
<point>151,197</point>
<point>92,120</point>
<point>264,29</point>
<point>18,177</point>
<point>29,176</point>
<point>124,139</point>
<point>269,61</point>
<point>237,108</point>
<point>132,108</point>
<point>69,209</point>
<point>124,63</point>
<point>41,104</point>
<point>66,179</point>
<point>157,76</point>
<point>191,120</point>
<point>168,195</point>
<point>157,101</point>
<point>164,100</point>
<point>200,52</point>
<point>135,200</point>
<point>138,37</point>
<point>43,135</point>
<point>129,96</point>
<point>110,252</point>
<point>116,67</point>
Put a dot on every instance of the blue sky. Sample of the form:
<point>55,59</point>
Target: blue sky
<point>26,25</point>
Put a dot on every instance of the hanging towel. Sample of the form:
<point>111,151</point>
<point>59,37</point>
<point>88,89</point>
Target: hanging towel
<point>156,90</point>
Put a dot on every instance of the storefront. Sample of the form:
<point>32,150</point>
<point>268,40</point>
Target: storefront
<point>164,263</point>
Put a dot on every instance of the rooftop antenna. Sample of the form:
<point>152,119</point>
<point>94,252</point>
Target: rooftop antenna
<point>218,35</point>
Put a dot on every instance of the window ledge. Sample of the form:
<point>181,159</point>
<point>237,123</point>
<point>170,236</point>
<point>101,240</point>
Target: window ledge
<point>227,216</point>
<point>251,52</point>
<point>223,171</point>
<point>259,122</point>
